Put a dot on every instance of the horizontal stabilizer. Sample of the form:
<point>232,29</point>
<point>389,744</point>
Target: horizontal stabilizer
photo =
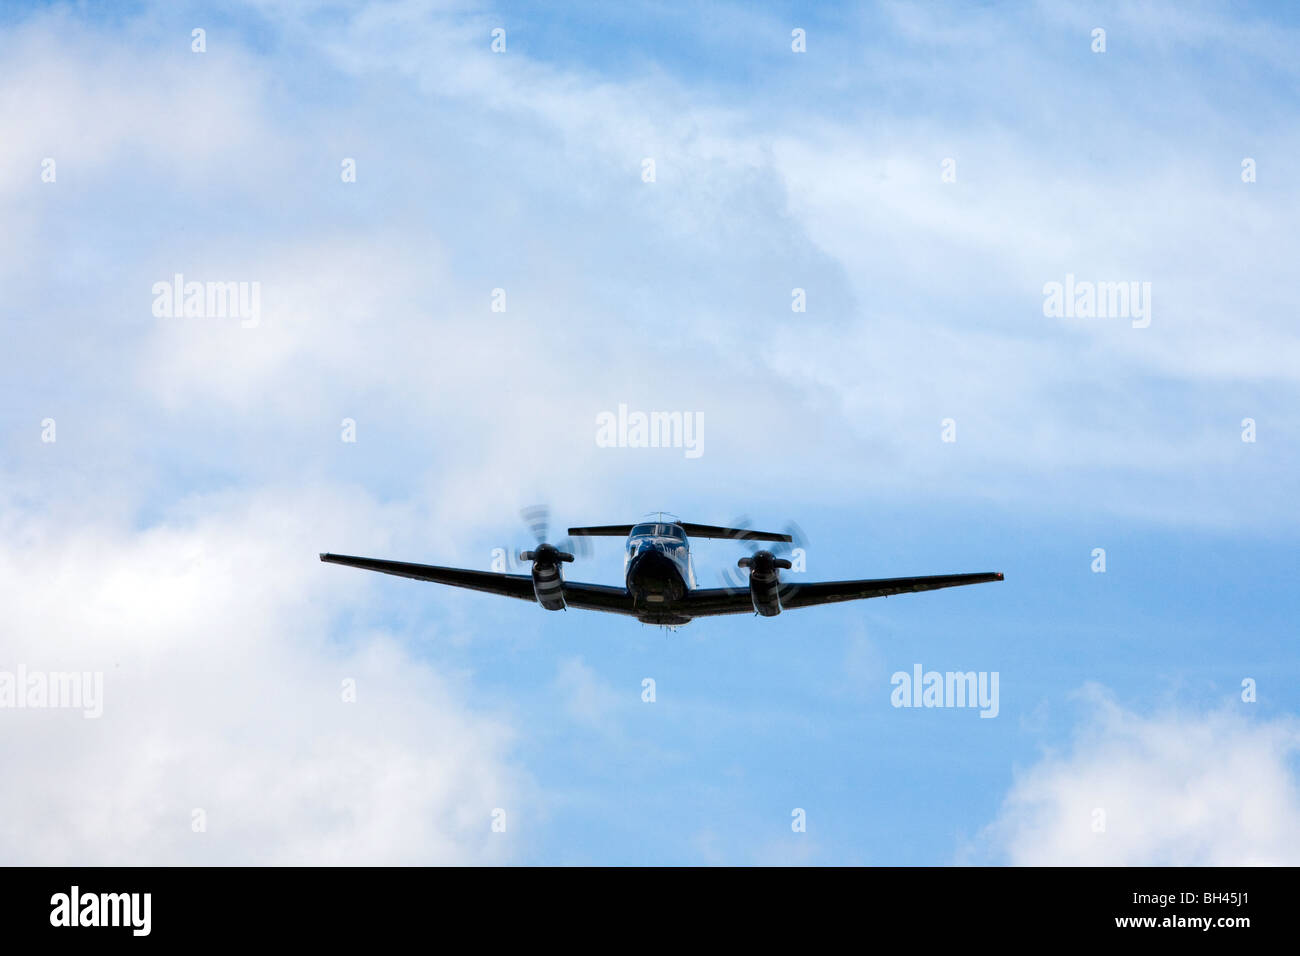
<point>736,534</point>
<point>692,531</point>
<point>605,530</point>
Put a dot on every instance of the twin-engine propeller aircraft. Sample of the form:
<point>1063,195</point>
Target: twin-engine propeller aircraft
<point>660,578</point>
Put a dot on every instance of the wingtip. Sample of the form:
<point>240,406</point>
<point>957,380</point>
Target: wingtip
<point>999,574</point>
<point>323,555</point>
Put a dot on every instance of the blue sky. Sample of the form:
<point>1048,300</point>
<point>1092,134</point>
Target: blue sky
<point>168,536</point>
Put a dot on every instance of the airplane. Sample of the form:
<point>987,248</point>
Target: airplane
<point>660,586</point>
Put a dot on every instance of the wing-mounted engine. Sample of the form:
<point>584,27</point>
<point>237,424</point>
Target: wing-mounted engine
<point>765,581</point>
<point>548,581</point>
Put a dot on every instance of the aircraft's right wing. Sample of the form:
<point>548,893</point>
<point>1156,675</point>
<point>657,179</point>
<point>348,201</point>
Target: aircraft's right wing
<point>710,601</point>
<point>592,597</point>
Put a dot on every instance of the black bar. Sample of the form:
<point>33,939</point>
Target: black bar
<point>478,906</point>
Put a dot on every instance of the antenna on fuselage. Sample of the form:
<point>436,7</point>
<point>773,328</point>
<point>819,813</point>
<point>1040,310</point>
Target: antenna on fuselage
<point>659,516</point>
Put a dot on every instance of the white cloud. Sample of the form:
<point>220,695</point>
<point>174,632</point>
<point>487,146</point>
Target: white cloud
<point>925,298</point>
<point>223,691</point>
<point>375,294</point>
<point>1176,789</point>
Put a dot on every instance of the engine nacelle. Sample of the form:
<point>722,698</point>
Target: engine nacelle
<point>765,581</point>
<point>548,586</point>
<point>765,595</point>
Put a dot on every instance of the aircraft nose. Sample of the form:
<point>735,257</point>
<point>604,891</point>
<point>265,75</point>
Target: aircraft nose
<point>652,561</point>
<point>652,569</point>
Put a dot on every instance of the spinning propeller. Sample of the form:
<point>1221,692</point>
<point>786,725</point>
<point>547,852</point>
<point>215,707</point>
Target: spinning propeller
<point>538,519</point>
<point>766,558</point>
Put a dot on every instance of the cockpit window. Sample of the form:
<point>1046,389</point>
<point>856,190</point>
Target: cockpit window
<point>658,531</point>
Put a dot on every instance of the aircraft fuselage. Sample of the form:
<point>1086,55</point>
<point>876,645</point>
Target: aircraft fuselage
<point>658,571</point>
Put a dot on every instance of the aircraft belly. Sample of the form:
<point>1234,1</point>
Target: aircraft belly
<point>657,586</point>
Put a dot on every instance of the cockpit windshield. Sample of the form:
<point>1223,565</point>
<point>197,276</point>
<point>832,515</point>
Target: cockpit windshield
<point>658,531</point>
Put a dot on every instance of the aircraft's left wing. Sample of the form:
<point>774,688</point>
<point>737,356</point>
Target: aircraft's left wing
<point>710,601</point>
<point>594,597</point>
